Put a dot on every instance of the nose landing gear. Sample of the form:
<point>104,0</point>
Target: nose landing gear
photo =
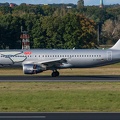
<point>55,74</point>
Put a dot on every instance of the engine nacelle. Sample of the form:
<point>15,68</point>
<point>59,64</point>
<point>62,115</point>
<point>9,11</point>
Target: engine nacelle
<point>32,69</point>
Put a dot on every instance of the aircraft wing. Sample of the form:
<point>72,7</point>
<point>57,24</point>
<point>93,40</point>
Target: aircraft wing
<point>53,63</point>
<point>49,64</point>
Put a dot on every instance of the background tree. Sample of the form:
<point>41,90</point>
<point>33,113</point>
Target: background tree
<point>10,32</point>
<point>56,26</point>
<point>111,31</point>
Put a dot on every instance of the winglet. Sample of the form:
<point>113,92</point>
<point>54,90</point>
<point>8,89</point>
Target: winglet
<point>116,46</point>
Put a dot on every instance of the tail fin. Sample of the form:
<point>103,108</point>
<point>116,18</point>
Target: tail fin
<point>116,46</point>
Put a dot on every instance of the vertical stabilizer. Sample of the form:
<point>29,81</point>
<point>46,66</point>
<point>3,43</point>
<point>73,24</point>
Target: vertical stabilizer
<point>116,46</point>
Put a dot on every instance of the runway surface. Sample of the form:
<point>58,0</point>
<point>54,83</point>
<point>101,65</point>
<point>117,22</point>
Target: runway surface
<point>31,78</point>
<point>60,116</point>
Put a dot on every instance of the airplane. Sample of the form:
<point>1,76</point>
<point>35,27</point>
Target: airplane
<point>36,61</point>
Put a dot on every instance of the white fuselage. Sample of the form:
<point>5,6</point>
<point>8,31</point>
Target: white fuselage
<point>81,58</point>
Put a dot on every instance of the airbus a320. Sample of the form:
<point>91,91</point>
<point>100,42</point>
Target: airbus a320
<point>36,61</point>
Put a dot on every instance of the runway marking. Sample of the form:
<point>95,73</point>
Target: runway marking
<point>10,117</point>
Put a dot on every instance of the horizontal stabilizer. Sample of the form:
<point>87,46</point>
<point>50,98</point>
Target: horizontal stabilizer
<point>116,46</point>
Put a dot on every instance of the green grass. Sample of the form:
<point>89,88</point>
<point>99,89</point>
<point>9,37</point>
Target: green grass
<point>60,97</point>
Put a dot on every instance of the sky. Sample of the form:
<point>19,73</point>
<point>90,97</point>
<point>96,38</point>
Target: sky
<point>87,2</point>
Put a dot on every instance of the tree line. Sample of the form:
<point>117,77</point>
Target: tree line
<point>58,26</point>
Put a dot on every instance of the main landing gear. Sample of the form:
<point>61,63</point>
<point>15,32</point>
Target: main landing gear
<point>55,74</point>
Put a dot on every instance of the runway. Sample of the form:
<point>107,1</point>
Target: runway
<point>31,78</point>
<point>59,116</point>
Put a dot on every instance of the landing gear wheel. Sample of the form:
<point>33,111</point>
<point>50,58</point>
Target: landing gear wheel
<point>55,74</point>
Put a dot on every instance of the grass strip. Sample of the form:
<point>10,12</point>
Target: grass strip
<point>60,97</point>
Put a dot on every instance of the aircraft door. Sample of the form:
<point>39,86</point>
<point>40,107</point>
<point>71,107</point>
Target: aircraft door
<point>109,55</point>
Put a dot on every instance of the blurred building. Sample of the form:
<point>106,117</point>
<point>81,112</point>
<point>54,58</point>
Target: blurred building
<point>101,4</point>
<point>12,5</point>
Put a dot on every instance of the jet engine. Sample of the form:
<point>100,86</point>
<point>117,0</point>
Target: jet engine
<point>32,69</point>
